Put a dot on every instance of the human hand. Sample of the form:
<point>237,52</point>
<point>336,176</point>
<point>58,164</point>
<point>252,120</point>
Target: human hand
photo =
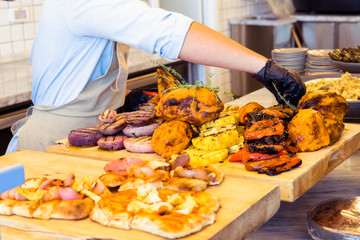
<point>284,83</point>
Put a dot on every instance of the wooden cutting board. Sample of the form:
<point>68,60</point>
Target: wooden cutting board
<point>315,165</point>
<point>63,147</point>
<point>245,204</point>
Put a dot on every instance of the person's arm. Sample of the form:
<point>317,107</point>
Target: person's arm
<point>205,46</point>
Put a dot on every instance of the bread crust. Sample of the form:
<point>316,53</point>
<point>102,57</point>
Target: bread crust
<point>57,209</point>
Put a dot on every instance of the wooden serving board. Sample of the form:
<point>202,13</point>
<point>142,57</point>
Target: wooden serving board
<point>63,147</point>
<point>245,204</point>
<point>315,165</point>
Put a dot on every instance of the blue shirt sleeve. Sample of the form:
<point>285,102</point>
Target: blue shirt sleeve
<point>131,22</point>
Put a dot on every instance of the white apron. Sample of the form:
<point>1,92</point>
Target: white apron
<point>48,124</point>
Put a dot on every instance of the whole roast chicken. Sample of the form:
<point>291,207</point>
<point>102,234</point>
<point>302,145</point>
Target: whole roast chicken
<point>323,125</point>
<point>307,130</point>
<point>329,104</point>
<point>194,104</point>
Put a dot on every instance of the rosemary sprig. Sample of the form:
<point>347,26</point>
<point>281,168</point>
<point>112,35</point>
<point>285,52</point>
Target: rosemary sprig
<point>284,99</point>
<point>198,83</point>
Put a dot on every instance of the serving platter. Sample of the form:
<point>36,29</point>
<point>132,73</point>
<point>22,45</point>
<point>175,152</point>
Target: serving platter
<point>242,209</point>
<point>347,66</point>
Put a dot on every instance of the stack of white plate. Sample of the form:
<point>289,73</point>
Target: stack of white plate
<point>293,58</point>
<point>319,61</point>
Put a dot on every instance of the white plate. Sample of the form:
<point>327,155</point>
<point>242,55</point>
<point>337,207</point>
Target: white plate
<point>319,53</point>
<point>289,51</point>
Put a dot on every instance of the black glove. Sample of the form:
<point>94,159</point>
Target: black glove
<point>135,98</point>
<point>288,82</point>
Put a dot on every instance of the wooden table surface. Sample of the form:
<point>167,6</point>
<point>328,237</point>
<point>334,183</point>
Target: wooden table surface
<point>245,205</point>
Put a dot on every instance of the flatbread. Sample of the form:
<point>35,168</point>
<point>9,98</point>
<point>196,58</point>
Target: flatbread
<point>164,212</point>
<point>40,198</point>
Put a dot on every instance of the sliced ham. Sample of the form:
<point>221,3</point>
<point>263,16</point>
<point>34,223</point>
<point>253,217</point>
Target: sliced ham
<point>119,166</point>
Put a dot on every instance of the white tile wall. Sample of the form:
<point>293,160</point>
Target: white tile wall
<point>16,38</point>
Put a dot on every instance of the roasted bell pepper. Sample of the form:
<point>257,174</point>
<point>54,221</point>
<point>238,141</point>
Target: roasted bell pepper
<point>244,155</point>
<point>153,94</point>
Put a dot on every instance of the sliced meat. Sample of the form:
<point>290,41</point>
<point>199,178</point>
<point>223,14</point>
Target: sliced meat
<point>119,166</point>
<point>181,161</point>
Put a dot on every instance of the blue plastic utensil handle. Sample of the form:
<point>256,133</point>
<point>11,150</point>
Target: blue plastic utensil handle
<point>11,177</point>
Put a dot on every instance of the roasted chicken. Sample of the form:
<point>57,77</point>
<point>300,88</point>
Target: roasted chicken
<point>307,130</point>
<point>334,128</point>
<point>329,104</point>
<point>312,130</point>
<point>171,138</point>
<point>165,80</point>
<point>194,105</point>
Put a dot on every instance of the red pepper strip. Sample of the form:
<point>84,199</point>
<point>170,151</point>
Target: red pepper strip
<point>290,148</point>
<point>244,155</point>
<point>153,94</point>
<point>264,128</point>
<point>255,156</point>
<point>241,156</point>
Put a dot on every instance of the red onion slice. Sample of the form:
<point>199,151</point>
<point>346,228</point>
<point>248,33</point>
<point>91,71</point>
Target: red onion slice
<point>67,193</point>
<point>147,130</point>
<point>139,145</point>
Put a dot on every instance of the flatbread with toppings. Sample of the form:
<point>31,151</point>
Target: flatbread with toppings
<point>45,198</point>
<point>163,212</point>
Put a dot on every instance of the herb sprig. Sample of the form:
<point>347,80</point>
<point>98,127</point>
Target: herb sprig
<point>284,99</point>
<point>198,83</point>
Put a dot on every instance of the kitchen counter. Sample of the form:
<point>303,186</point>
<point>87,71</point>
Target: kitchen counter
<point>326,18</point>
<point>263,21</point>
<point>15,82</point>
